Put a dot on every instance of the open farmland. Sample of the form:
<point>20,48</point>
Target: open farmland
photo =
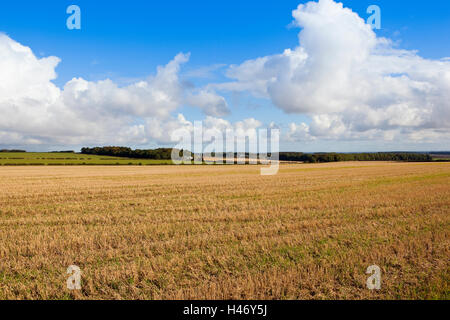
<point>220,232</point>
<point>56,158</point>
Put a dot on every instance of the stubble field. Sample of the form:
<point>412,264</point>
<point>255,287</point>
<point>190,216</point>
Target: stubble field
<point>226,232</point>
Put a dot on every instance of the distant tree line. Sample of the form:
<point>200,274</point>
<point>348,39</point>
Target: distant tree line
<point>336,157</point>
<point>166,153</point>
<point>23,151</point>
<point>13,150</point>
<point>156,154</point>
<point>447,153</point>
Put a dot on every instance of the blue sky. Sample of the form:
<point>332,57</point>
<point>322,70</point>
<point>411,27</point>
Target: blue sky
<point>127,40</point>
<point>130,38</point>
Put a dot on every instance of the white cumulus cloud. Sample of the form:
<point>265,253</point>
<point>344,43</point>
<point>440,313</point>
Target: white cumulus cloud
<point>349,81</point>
<point>35,111</point>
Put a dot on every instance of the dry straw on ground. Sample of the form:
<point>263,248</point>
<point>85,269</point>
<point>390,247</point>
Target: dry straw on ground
<point>220,232</point>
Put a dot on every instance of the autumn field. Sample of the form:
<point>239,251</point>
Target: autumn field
<point>226,232</point>
<point>67,159</point>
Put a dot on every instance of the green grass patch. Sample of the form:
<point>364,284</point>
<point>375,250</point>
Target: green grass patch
<point>67,159</point>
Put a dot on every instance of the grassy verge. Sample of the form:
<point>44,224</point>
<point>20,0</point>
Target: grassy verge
<point>61,159</point>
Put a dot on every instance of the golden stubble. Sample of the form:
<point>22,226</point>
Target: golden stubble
<point>226,232</point>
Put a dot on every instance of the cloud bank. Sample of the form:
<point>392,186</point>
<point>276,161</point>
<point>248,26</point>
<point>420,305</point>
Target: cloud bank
<point>35,111</point>
<point>351,84</point>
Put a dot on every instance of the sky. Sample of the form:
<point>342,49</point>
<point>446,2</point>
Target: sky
<point>138,70</point>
